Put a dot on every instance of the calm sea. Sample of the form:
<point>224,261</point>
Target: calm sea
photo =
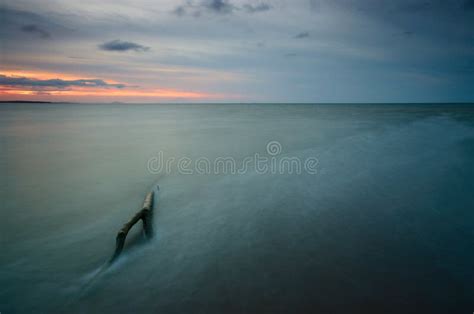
<point>385,223</point>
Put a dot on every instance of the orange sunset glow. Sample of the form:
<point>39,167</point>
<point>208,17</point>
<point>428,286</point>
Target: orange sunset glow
<point>38,85</point>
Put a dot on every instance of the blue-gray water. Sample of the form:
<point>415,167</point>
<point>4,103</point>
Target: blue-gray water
<point>386,224</point>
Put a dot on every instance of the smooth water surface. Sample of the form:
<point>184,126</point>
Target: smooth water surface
<point>385,225</point>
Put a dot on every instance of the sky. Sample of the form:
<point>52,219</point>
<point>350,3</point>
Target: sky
<point>237,51</point>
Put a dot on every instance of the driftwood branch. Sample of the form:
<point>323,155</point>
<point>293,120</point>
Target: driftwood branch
<point>146,215</point>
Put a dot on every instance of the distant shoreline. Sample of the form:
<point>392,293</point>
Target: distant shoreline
<point>33,102</point>
<point>24,101</point>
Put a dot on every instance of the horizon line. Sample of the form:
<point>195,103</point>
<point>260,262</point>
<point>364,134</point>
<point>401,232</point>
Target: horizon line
<point>235,103</point>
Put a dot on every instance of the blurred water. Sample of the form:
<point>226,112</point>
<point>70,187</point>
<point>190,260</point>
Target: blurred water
<point>385,225</point>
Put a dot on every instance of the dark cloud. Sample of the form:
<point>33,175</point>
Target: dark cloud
<point>468,5</point>
<point>399,6</point>
<point>217,7</point>
<point>34,29</point>
<point>10,16</point>
<point>441,7</point>
<point>119,45</point>
<point>261,7</point>
<point>301,35</point>
<point>13,21</point>
<point>180,10</point>
<point>54,83</point>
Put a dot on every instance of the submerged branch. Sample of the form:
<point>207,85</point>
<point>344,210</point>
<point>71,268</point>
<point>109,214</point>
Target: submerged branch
<point>145,214</point>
